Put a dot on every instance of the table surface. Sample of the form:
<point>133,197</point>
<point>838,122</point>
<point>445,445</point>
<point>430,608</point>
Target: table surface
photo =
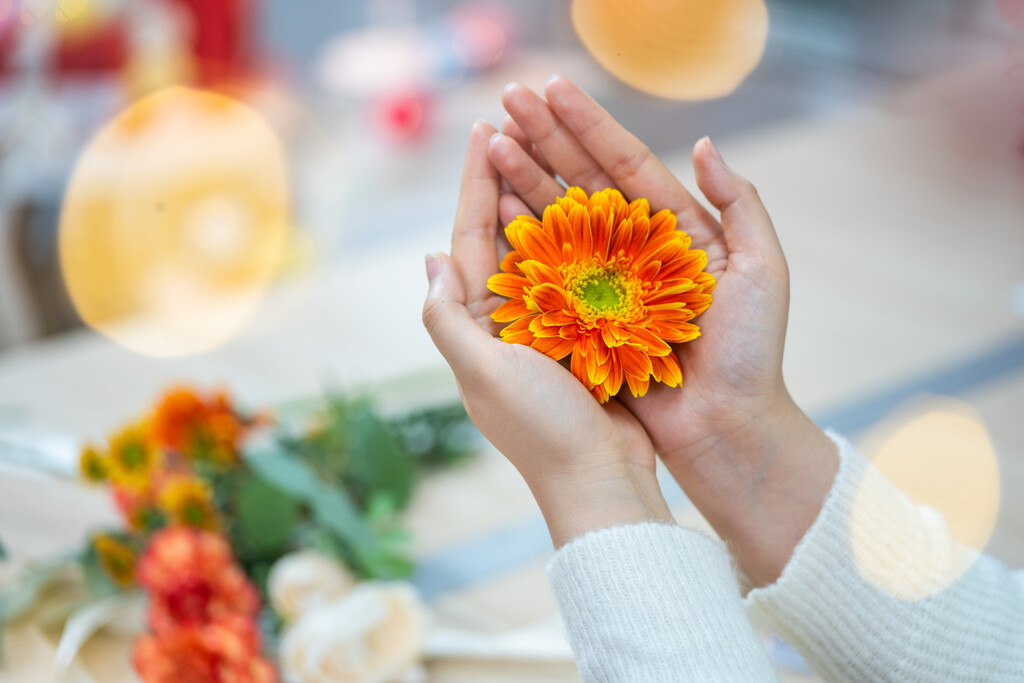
<point>903,228</point>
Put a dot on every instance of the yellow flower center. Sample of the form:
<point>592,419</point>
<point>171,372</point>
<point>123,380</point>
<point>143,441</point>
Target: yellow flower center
<point>602,292</point>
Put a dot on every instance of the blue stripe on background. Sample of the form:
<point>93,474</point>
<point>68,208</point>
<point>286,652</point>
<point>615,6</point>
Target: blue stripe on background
<point>525,541</point>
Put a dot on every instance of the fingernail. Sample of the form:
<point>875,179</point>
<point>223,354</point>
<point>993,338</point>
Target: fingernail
<point>433,266</point>
<point>551,78</point>
<point>714,150</point>
<point>509,86</point>
<point>495,137</point>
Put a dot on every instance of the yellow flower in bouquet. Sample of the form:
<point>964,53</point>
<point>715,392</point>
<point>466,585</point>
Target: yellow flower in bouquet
<point>133,458</point>
<point>117,559</point>
<point>603,281</point>
<point>92,465</point>
<point>188,501</point>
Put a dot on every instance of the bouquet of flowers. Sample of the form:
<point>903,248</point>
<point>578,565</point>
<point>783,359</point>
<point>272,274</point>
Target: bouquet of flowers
<point>225,512</point>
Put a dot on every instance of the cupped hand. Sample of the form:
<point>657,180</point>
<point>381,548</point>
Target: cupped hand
<point>732,436</point>
<point>589,466</point>
<point>732,375</point>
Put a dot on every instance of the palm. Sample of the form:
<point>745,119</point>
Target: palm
<point>729,371</point>
<point>726,372</point>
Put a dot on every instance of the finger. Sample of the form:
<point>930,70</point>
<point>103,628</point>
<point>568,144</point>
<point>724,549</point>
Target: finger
<point>747,226</point>
<point>474,239</point>
<point>510,128</point>
<point>510,207</point>
<point>559,146</point>
<point>451,326</point>
<point>528,180</point>
<point>630,164</point>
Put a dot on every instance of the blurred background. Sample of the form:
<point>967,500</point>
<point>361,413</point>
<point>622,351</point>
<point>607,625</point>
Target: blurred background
<point>239,193</point>
<point>372,100</point>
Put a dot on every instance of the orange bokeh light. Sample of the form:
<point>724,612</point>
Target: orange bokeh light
<point>940,455</point>
<point>174,222</point>
<point>675,49</point>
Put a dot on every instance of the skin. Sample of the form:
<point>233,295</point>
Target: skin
<point>751,461</point>
<point>598,474</point>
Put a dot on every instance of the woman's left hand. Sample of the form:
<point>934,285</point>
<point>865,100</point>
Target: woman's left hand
<point>589,466</point>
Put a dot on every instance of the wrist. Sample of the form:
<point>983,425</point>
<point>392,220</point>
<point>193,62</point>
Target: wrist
<point>572,508</point>
<point>762,485</point>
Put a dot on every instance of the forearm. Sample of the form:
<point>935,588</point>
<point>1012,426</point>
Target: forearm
<point>760,484</point>
<point>877,590</point>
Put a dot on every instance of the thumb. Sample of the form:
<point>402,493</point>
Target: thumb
<point>455,333</point>
<point>745,222</point>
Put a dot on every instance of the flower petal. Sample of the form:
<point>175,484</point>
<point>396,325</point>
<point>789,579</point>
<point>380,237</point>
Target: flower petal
<point>667,370</point>
<point>510,264</point>
<point>555,348</point>
<point>539,273</point>
<point>556,225</point>
<point>654,345</point>
<point>583,240</point>
<point>506,284</point>
<point>548,297</point>
<point>513,309</point>
<point>637,387</point>
<point>519,331</point>
<point>533,242</point>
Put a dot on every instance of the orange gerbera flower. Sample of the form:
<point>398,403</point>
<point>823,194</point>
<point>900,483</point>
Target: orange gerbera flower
<point>603,280</point>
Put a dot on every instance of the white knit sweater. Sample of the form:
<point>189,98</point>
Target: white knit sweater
<point>875,591</point>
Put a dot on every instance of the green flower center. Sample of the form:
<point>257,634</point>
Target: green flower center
<point>602,292</point>
<point>134,456</point>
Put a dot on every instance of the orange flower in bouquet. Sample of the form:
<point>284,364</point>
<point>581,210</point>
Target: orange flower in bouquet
<point>604,282</point>
<point>225,650</point>
<point>199,428</point>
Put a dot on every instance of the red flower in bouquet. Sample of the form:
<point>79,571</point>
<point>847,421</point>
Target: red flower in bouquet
<point>192,579</point>
<point>197,427</point>
<point>225,650</point>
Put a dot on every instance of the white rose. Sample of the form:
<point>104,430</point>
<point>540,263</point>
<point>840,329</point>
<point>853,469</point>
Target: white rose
<point>301,581</point>
<point>374,635</point>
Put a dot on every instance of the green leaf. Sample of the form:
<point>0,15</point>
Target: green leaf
<point>331,506</point>
<point>379,463</point>
<point>266,515</point>
<point>3,551</point>
<point>284,472</point>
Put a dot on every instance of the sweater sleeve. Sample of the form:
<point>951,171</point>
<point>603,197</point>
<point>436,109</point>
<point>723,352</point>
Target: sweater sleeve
<point>877,590</point>
<point>647,603</point>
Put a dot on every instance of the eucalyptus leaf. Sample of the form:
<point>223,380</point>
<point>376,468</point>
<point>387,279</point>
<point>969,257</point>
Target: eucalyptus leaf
<point>286,473</point>
<point>379,462</point>
<point>266,515</point>
<point>331,506</point>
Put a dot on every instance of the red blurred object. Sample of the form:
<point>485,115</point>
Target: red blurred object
<point>402,116</point>
<point>222,40</point>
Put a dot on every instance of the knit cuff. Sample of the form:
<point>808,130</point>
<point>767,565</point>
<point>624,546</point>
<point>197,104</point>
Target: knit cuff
<point>877,588</point>
<point>654,602</point>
